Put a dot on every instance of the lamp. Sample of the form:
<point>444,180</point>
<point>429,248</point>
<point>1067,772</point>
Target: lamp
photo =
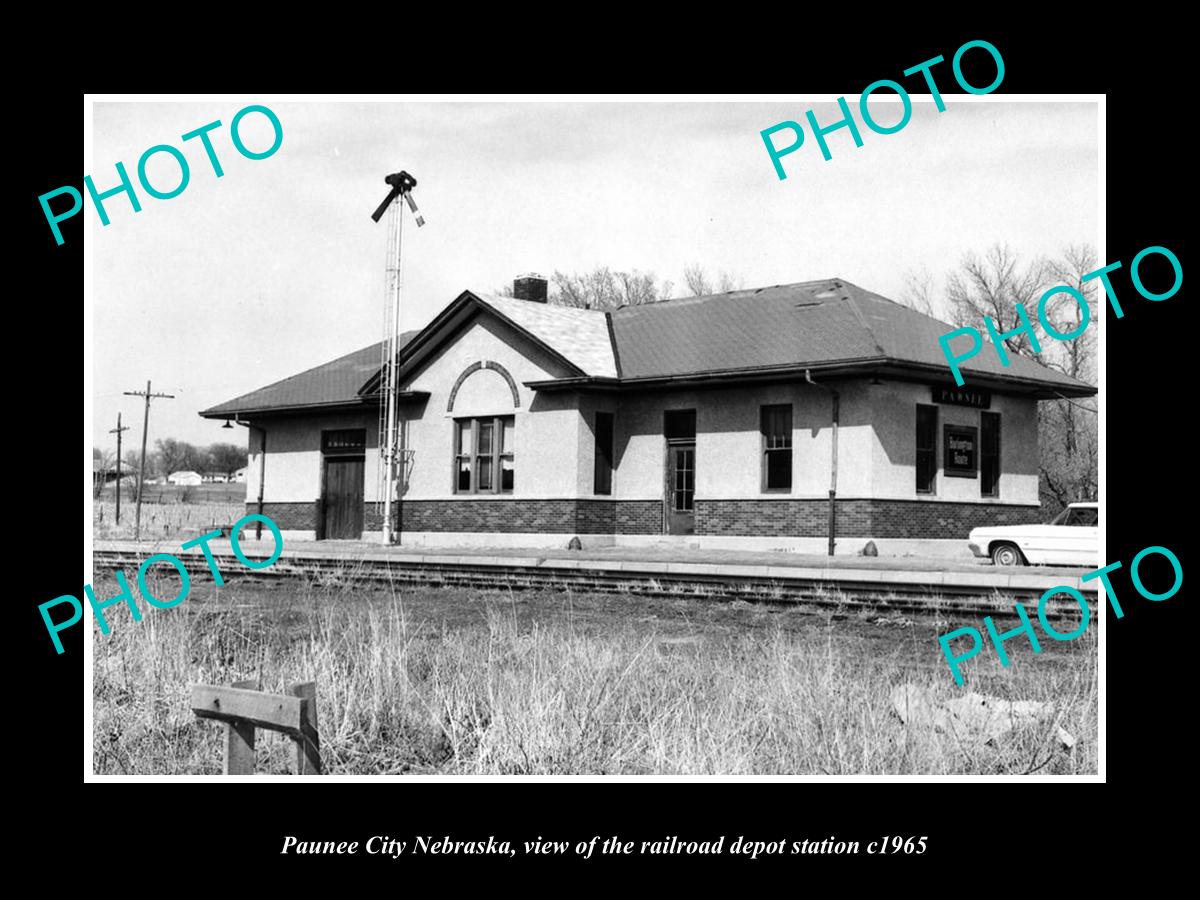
<point>228,424</point>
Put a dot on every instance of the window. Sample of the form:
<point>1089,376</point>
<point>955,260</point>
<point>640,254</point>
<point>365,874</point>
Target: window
<point>483,455</point>
<point>602,477</point>
<point>989,454</point>
<point>1080,516</point>
<point>926,448</point>
<point>776,425</point>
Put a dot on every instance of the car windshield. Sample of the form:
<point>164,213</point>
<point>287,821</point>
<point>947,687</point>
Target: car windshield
<point>1076,515</point>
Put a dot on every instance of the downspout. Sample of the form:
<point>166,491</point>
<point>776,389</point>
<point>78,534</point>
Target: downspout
<point>832,463</point>
<point>262,477</point>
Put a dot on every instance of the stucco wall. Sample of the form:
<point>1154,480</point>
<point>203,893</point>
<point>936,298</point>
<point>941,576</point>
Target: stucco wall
<point>547,427</point>
<point>294,455</point>
<point>893,452</point>
<point>729,442</point>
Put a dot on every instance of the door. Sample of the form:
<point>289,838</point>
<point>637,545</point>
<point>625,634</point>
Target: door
<point>343,499</point>
<point>681,488</point>
<point>1075,538</point>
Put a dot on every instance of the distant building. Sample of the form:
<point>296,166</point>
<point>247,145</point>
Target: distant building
<point>185,478</point>
<point>238,477</point>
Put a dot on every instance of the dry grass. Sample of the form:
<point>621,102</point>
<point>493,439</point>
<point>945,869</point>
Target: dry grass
<point>458,681</point>
<point>182,519</point>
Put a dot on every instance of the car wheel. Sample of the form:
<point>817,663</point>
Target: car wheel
<point>1007,555</point>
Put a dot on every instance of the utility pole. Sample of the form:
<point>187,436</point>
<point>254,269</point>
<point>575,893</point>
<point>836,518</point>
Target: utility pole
<point>118,431</point>
<point>137,527</point>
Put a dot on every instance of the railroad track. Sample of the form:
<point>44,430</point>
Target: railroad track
<point>901,596</point>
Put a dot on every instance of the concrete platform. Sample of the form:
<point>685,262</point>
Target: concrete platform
<point>673,561</point>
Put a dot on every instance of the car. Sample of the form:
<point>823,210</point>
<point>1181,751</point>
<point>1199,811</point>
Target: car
<point>1071,538</point>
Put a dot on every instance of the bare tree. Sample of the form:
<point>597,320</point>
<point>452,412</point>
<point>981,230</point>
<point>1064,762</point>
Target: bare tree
<point>699,284</point>
<point>104,461</point>
<point>174,456</point>
<point>920,292</point>
<point>226,458</point>
<point>1068,429</point>
<point>602,288</point>
<point>994,286</point>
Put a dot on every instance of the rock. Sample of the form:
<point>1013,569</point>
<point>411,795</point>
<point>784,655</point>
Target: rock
<point>575,544</point>
<point>972,717</point>
<point>870,549</point>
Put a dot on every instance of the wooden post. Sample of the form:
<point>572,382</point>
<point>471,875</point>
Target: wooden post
<point>239,741</point>
<point>243,708</point>
<point>308,745</point>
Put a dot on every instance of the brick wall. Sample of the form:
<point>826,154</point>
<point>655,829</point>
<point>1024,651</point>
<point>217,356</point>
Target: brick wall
<point>752,518</point>
<point>912,518</point>
<point>561,516</point>
<point>289,516</point>
<point>855,518</point>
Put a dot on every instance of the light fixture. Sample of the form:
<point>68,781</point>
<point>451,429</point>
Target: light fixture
<point>228,424</point>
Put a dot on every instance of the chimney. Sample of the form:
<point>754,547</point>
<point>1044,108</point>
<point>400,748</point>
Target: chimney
<point>530,287</point>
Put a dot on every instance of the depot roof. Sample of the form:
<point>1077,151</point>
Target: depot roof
<point>831,327</point>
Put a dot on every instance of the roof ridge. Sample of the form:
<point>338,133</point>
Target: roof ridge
<point>746,290</point>
<point>858,314</point>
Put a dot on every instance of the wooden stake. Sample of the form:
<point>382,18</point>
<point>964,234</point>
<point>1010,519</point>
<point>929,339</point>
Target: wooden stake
<point>308,745</point>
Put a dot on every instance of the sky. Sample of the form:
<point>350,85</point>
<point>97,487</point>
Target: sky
<point>277,267</point>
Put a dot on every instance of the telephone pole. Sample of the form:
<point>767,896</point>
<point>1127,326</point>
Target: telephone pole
<point>137,527</point>
<point>118,431</point>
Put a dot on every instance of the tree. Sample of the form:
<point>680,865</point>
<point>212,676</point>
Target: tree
<point>602,288</point>
<point>699,284</point>
<point>176,456</point>
<point>994,286</point>
<point>103,462</point>
<point>920,292</point>
<point>1068,429</point>
<point>226,458</point>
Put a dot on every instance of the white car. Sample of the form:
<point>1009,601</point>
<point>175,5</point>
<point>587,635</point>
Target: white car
<point>1072,538</point>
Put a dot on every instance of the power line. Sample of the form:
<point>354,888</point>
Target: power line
<point>137,528</point>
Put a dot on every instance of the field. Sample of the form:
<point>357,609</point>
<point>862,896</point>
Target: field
<point>460,681</point>
<point>169,511</point>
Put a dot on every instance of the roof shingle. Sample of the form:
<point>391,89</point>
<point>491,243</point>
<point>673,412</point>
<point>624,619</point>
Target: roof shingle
<point>810,323</point>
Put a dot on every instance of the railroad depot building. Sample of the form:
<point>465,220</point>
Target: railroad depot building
<point>710,418</point>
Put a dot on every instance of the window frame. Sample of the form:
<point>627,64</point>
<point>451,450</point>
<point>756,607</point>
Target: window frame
<point>931,490</point>
<point>765,450</point>
<point>497,455</point>
<point>603,455</point>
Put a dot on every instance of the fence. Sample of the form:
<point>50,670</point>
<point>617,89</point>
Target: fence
<point>243,709</point>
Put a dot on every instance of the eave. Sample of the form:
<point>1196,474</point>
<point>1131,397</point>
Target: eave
<point>338,406</point>
<point>881,366</point>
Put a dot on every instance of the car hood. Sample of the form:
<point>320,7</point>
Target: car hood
<point>1009,529</point>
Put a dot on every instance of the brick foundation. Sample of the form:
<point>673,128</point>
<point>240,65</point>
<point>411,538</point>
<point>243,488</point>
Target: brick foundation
<point>559,516</point>
<point>300,516</point>
<point>913,519</point>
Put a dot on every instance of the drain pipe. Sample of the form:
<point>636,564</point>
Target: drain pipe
<point>833,462</point>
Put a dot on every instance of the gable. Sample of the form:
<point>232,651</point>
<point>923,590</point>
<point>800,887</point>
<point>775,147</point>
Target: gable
<point>479,365</point>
